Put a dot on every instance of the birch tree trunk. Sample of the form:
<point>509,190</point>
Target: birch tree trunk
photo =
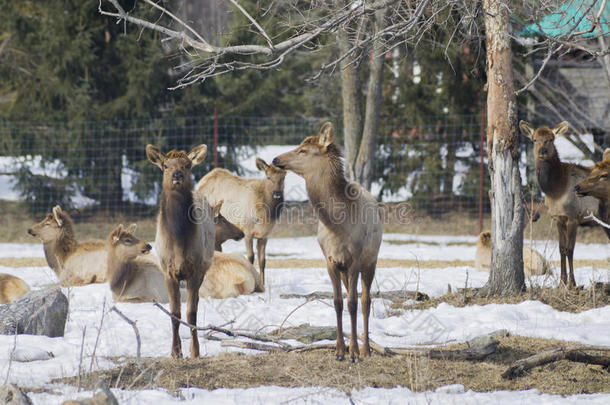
<point>506,271</point>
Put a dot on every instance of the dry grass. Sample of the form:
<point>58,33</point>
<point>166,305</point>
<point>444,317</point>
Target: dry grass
<point>560,298</point>
<point>318,368</point>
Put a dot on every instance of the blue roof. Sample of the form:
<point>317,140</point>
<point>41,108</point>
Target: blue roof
<point>569,18</point>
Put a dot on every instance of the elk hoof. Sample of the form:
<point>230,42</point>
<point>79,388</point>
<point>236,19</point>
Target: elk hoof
<point>354,360</point>
<point>339,357</point>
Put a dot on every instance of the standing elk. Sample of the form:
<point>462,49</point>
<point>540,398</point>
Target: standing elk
<point>557,180</point>
<point>185,235</point>
<point>12,288</point>
<point>349,228</point>
<point>74,263</point>
<point>597,185</point>
<point>253,205</point>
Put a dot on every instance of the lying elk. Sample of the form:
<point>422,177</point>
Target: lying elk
<point>533,262</point>
<point>253,205</point>
<point>185,235</point>
<point>224,229</point>
<point>12,288</point>
<point>597,185</point>
<point>74,263</point>
<point>557,180</point>
<point>349,228</point>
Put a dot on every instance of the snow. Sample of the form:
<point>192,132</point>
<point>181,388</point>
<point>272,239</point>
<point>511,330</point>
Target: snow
<point>443,324</point>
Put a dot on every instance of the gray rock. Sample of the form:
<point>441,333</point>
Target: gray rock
<point>42,312</point>
<point>12,395</point>
<point>306,333</point>
<point>26,354</point>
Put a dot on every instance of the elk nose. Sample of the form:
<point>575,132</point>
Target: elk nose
<point>542,151</point>
<point>148,247</point>
<point>177,176</point>
<point>31,232</point>
<point>275,161</point>
<point>577,188</point>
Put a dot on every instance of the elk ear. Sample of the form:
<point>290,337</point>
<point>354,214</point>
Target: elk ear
<point>132,228</point>
<point>197,154</point>
<point>261,165</point>
<point>58,215</point>
<point>114,235</point>
<point>561,129</point>
<point>606,157</point>
<point>526,129</point>
<point>155,155</point>
<point>217,208</point>
<point>326,135</point>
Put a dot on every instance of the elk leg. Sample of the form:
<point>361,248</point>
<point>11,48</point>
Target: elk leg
<point>249,249</point>
<point>562,232</point>
<point>261,246</point>
<point>173,291</point>
<point>366,280</point>
<point>338,301</point>
<point>352,306</point>
<point>192,300</point>
<point>572,230</point>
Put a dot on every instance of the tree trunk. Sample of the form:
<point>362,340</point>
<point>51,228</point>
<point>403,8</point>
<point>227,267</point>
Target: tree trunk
<point>506,271</point>
<point>352,109</point>
<point>366,155</point>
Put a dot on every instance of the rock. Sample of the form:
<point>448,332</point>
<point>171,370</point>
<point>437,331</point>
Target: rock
<point>12,395</point>
<point>306,333</point>
<point>42,312</point>
<point>104,397</point>
<point>25,354</point>
<point>484,340</point>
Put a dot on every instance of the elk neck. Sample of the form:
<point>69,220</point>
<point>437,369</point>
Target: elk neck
<point>56,252</point>
<point>551,176</point>
<point>175,208</point>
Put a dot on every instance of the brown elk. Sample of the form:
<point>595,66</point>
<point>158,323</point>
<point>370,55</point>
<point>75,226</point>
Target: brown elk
<point>253,205</point>
<point>597,185</point>
<point>12,288</point>
<point>74,263</point>
<point>349,228</point>
<point>133,274</point>
<point>185,235</point>
<point>533,262</point>
<point>224,229</point>
<point>557,180</point>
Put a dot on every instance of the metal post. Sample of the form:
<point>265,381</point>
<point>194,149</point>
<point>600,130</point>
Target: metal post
<point>215,152</point>
<point>481,169</point>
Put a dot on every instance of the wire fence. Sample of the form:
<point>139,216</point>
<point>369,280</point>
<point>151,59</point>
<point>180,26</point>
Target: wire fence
<point>434,162</point>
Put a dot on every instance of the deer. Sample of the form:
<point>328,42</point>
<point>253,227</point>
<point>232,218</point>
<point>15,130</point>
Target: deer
<point>12,288</point>
<point>185,235</point>
<point>253,205</point>
<point>225,230</point>
<point>557,180</point>
<point>597,185</point>
<point>74,263</point>
<point>349,228</point>
<point>134,274</point>
<point>534,264</point>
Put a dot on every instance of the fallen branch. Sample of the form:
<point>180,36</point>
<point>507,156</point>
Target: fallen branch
<point>396,295</point>
<point>599,221</point>
<point>135,330</point>
<point>519,367</point>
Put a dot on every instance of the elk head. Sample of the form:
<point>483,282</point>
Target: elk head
<point>176,165</point>
<point>125,245</point>
<point>311,153</point>
<point>52,226</point>
<point>544,138</point>
<point>275,175</point>
<point>225,230</point>
<point>596,184</point>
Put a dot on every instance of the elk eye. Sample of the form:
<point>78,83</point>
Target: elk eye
<point>302,151</point>
<point>128,240</point>
<point>164,166</point>
<point>603,176</point>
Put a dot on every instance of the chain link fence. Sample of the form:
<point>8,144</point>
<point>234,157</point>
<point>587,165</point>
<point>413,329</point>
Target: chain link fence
<point>434,164</point>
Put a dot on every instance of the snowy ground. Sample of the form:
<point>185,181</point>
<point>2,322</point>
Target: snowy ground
<point>442,324</point>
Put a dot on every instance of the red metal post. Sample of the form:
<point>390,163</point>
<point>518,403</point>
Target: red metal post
<point>481,169</point>
<point>215,152</point>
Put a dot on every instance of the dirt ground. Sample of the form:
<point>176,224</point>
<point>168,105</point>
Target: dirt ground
<point>318,368</point>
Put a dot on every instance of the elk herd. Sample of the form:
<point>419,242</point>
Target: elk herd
<point>195,220</point>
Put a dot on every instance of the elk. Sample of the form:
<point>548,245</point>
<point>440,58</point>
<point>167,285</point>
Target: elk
<point>349,228</point>
<point>12,288</point>
<point>253,205</point>
<point>557,180</point>
<point>533,262</point>
<point>74,263</point>
<point>224,229</point>
<point>134,274</point>
<point>185,235</point>
<point>597,185</point>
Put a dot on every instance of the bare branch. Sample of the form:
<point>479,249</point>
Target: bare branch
<point>599,221</point>
<point>253,21</point>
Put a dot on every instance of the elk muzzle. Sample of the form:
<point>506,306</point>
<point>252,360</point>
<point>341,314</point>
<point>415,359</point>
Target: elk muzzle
<point>580,192</point>
<point>31,232</point>
<point>276,162</point>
